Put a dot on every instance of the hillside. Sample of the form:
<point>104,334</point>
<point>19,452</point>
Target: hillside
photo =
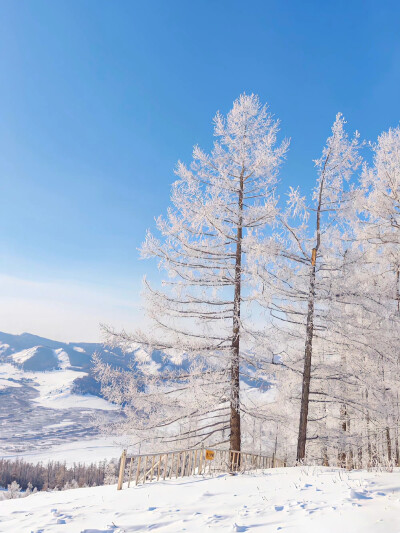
<point>300,500</point>
<point>46,389</point>
<point>48,392</point>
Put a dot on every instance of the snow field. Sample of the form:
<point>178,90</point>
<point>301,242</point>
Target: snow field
<point>54,386</point>
<point>298,500</point>
<point>84,451</point>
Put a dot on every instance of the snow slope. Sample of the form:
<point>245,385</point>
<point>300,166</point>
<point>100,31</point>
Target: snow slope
<point>48,392</point>
<point>298,500</point>
<point>86,450</point>
<point>54,387</point>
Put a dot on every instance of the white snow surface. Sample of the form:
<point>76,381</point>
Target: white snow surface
<point>80,451</point>
<point>63,358</point>
<point>298,500</point>
<point>7,382</point>
<point>54,386</point>
<point>23,356</point>
<point>79,349</point>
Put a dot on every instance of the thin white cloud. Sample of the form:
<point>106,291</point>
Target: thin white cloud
<point>65,310</point>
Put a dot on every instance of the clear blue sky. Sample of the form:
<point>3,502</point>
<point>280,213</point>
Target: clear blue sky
<point>100,98</point>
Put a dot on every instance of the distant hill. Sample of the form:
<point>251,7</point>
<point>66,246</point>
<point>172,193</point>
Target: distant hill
<point>37,354</point>
<point>47,393</point>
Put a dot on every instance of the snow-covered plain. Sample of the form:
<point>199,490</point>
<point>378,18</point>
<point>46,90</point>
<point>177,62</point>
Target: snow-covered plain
<point>80,451</point>
<point>303,499</point>
<point>54,387</point>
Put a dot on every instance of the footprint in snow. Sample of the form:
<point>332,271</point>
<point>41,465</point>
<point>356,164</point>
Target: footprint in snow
<point>279,507</point>
<point>217,517</point>
<point>360,495</point>
<point>240,529</point>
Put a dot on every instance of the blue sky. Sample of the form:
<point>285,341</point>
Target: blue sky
<point>100,98</point>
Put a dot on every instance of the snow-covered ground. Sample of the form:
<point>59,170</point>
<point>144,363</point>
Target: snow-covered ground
<point>312,500</point>
<point>83,451</point>
<point>54,387</point>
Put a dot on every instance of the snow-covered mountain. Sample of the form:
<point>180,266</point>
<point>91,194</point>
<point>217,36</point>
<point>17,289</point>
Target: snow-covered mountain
<point>48,396</point>
<point>38,353</point>
<point>47,393</point>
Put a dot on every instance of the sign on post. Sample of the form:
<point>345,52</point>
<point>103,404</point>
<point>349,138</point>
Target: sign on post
<point>210,455</point>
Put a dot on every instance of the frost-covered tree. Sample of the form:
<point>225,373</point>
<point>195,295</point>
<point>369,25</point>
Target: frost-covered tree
<point>13,490</point>
<point>339,160</point>
<point>298,287</point>
<point>379,206</point>
<point>221,203</point>
<point>110,474</point>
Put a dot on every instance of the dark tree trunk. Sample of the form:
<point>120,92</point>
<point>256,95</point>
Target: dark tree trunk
<point>325,458</point>
<point>360,457</point>
<point>389,444</point>
<point>305,393</point>
<point>367,419</point>
<point>343,426</point>
<point>235,436</point>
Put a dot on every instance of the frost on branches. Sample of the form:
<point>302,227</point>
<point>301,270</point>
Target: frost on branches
<point>221,205</point>
<point>300,289</point>
<point>277,327</point>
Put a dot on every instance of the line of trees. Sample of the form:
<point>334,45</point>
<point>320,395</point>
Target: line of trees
<point>55,475</point>
<point>278,324</point>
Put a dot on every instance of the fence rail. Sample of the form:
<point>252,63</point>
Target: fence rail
<point>167,465</point>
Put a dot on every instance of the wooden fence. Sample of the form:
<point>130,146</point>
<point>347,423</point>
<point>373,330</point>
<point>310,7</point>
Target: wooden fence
<point>169,465</point>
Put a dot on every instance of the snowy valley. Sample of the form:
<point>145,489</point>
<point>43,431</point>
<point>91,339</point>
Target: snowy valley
<point>49,401</point>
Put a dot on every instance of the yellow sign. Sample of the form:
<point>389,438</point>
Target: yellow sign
<point>210,455</point>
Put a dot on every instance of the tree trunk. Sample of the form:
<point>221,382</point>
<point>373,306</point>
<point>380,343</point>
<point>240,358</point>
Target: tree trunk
<point>235,436</point>
<point>360,457</point>
<point>389,444</point>
<point>343,425</point>
<point>325,458</point>
<point>305,393</point>
<point>367,419</point>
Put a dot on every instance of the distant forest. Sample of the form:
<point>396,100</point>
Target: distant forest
<point>56,475</point>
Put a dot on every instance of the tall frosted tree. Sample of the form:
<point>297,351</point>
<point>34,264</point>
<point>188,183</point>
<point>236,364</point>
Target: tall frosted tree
<point>298,287</point>
<point>221,204</point>
<point>379,205</point>
<point>336,165</point>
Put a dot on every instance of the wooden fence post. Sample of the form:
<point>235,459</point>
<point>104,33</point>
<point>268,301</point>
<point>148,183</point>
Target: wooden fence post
<point>138,470</point>
<point>144,471</point>
<point>121,470</point>
<point>159,467</point>
<point>201,460</point>
<point>165,466</point>
<point>152,467</point>
<point>130,472</point>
